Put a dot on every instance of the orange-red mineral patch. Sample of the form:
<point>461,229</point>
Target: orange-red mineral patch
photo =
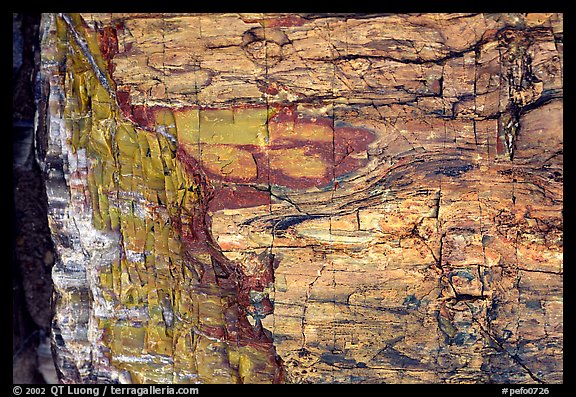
<point>279,146</point>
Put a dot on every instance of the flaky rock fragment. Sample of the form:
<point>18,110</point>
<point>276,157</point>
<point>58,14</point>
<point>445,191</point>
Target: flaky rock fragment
<point>305,198</point>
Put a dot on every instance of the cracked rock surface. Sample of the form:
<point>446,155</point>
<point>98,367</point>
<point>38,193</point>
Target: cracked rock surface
<point>309,198</point>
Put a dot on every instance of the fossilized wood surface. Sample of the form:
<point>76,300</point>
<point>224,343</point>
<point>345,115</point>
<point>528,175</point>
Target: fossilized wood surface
<point>305,198</point>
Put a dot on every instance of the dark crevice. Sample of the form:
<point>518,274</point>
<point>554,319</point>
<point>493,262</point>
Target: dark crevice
<point>32,250</point>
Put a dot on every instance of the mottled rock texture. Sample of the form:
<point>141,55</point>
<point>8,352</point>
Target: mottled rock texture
<point>240,198</point>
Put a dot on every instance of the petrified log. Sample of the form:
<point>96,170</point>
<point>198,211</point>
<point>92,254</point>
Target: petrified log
<point>303,197</point>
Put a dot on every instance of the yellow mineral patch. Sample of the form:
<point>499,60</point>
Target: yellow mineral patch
<point>127,142</point>
<point>165,119</point>
<point>297,163</point>
<point>157,340</point>
<point>238,126</point>
<point>215,126</point>
<point>104,206</point>
<point>129,339</point>
<point>229,161</point>
<point>188,126</point>
<point>100,142</point>
<point>255,367</point>
<point>213,355</point>
<point>249,127</point>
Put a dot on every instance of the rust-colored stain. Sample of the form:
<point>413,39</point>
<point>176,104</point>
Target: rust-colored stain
<point>282,147</point>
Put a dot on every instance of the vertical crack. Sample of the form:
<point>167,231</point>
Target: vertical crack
<point>307,298</point>
<point>482,231</point>
<point>523,86</point>
<point>474,128</point>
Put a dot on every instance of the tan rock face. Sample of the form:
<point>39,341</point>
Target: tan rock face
<point>308,198</point>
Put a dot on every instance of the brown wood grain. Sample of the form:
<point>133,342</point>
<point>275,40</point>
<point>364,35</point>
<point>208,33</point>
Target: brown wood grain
<point>396,216</point>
